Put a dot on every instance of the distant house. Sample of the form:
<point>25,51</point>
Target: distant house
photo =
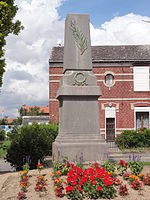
<point>123,74</point>
<point>38,114</point>
<point>8,126</point>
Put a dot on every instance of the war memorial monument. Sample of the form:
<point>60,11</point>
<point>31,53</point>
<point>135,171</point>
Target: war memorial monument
<point>79,131</point>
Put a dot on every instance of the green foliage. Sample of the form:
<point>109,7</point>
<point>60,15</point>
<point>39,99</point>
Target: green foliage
<point>32,141</point>
<point>122,167</point>
<point>34,111</point>
<point>2,135</point>
<point>136,167</point>
<point>4,146</point>
<point>17,121</point>
<point>133,139</point>
<point>62,166</point>
<point>4,121</point>
<point>7,13</point>
<point>11,135</point>
<point>109,166</point>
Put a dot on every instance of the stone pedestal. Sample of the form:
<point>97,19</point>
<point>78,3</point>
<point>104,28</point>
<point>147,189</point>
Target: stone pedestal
<point>79,133</point>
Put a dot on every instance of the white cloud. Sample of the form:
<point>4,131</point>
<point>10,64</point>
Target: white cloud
<point>26,77</point>
<point>27,73</point>
<point>128,29</point>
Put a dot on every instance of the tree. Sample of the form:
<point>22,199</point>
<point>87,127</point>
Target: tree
<point>17,121</point>
<point>34,111</point>
<point>23,112</point>
<point>4,121</point>
<point>7,13</point>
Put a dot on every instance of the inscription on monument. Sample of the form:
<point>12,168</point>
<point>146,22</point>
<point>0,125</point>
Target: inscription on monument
<point>79,37</point>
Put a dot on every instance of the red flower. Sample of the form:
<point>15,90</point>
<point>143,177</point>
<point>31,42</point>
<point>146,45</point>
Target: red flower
<point>69,188</point>
<point>121,162</point>
<point>99,188</point>
<point>91,171</point>
<point>96,165</point>
<point>93,182</point>
<point>79,171</point>
<point>71,172</point>
<point>39,165</point>
<point>108,181</point>
<point>69,179</point>
<point>79,188</point>
<point>68,164</point>
<point>72,165</point>
<point>80,183</point>
<point>92,177</point>
<point>74,183</point>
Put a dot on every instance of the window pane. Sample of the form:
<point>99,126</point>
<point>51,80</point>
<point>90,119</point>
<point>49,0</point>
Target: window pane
<point>142,119</point>
<point>109,79</point>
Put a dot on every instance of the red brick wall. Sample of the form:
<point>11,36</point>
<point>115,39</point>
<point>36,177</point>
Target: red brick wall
<point>121,95</point>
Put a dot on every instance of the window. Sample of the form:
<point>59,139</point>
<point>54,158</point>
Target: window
<point>109,80</point>
<point>110,117</point>
<point>142,120</point>
<point>141,78</point>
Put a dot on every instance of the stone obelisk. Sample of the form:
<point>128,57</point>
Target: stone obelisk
<point>79,132</point>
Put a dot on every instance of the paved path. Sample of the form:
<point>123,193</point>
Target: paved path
<point>5,166</point>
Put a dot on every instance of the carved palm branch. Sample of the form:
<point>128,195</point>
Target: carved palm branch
<point>79,36</point>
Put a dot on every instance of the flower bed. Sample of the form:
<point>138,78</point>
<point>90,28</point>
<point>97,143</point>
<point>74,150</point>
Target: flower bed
<point>98,181</point>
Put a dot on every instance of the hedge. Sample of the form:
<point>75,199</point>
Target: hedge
<point>31,143</point>
<point>133,139</point>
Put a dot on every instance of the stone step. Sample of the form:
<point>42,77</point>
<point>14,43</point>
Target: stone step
<point>129,156</point>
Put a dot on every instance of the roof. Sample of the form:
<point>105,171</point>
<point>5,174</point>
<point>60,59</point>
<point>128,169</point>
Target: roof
<point>42,109</point>
<point>9,120</point>
<point>109,53</point>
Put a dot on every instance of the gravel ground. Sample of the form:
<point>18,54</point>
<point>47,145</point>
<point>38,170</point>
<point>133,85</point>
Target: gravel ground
<point>5,166</point>
<point>9,187</point>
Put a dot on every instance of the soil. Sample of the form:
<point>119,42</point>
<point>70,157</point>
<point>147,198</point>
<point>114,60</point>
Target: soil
<point>9,187</point>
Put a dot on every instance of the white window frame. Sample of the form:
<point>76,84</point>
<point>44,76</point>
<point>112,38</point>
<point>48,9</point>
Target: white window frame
<point>141,109</point>
<point>138,80</point>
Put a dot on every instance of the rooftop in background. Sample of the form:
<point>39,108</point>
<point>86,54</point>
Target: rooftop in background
<point>42,109</point>
<point>9,120</point>
<point>120,53</point>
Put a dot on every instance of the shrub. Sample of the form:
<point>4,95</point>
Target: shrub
<point>136,167</point>
<point>33,142</point>
<point>2,135</point>
<point>146,179</point>
<point>133,139</point>
<point>109,166</point>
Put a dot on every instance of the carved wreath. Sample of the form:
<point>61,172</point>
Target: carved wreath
<point>79,37</point>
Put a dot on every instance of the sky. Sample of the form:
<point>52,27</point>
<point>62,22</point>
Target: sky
<point>26,80</point>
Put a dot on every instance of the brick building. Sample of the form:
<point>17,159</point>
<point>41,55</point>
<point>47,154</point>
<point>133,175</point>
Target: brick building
<point>123,73</point>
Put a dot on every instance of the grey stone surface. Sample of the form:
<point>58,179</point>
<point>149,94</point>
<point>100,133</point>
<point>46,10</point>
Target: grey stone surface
<point>5,166</point>
<point>78,94</point>
<point>77,49</point>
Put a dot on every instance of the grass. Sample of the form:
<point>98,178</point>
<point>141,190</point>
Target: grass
<point>3,147</point>
<point>146,163</point>
<point>136,150</point>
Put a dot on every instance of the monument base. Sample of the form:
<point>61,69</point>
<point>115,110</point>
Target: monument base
<point>86,151</point>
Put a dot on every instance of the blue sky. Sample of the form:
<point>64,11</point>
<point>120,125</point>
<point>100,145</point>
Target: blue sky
<point>104,10</point>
